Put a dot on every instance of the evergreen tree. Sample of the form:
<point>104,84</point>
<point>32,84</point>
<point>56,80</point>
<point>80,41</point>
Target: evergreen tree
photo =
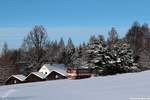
<point>61,44</point>
<point>102,40</point>
<point>4,49</point>
<point>94,53</point>
<point>70,50</point>
<point>80,55</point>
<point>105,60</point>
<point>61,51</point>
<point>120,59</point>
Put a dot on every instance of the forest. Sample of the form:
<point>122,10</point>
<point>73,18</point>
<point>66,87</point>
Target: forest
<point>104,56</point>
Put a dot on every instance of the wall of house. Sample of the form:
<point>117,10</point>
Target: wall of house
<point>12,80</point>
<point>33,78</point>
<point>44,70</point>
<point>54,76</point>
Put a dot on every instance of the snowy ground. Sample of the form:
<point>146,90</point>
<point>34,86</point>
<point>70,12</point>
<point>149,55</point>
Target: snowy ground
<point>132,86</point>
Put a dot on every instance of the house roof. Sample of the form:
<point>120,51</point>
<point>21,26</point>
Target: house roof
<point>79,67</point>
<point>19,77</point>
<point>84,67</point>
<point>59,68</point>
<point>39,74</point>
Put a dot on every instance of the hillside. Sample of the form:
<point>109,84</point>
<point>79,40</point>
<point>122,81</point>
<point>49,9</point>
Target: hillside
<point>119,87</point>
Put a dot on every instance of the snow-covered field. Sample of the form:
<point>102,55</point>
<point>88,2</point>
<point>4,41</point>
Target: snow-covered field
<point>132,86</point>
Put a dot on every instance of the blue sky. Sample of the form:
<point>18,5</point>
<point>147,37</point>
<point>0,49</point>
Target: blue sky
<point>77,19</point>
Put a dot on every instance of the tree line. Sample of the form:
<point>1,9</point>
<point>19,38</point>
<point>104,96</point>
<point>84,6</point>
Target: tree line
<point>104,56</point>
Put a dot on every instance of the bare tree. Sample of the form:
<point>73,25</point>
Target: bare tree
<point>135,36</point>
<point>34,45</point>
<point>113,37</point>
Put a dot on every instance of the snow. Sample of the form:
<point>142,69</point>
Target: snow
<point>19,77</point>
<point>60,68</point>
<point>39,74</point>
<point>131,86</point>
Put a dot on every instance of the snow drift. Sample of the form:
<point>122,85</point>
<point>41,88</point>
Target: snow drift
<point>129,86</point>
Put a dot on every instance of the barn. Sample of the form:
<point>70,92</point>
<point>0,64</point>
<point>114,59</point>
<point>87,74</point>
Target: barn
<point>35,77</point>
<point>54,71</point>
<point>15,79</point>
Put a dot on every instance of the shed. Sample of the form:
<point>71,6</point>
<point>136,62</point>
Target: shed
<point>54,75</point>
<point>54,71</point>
<point>15,79</point>
<point>35,77</point>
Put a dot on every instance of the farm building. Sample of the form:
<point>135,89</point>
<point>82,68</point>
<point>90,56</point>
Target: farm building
<point>54,75</point>
<point>54,71</point>
<point>35,77</point>
<point>78,73</point>
<point>15,79</point>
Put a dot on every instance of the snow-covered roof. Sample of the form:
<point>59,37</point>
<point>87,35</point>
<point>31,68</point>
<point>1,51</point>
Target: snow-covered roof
<point>39,74</point>
<point>19,77</point>
<point>84,67</point>
<point>59,68</point>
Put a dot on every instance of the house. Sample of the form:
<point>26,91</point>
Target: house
<point>78,72</point>
<point>35,77</point>
<point>54,75</point>
<point>15,79</point>
<point>54,71</point>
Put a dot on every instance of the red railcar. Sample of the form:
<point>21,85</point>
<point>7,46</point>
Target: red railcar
<point>78,73</point>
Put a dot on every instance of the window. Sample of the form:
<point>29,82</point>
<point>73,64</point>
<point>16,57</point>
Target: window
<point>15,81</point>
<point>56,76</point>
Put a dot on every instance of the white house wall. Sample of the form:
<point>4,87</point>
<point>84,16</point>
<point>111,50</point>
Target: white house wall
<point>44,70</point>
